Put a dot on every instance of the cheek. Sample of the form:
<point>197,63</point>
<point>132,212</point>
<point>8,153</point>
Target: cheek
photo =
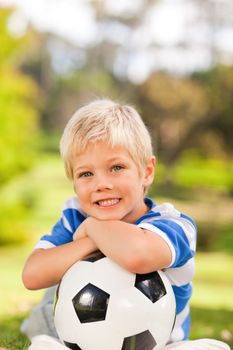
<point>133,187</point>
<point>79,191</point>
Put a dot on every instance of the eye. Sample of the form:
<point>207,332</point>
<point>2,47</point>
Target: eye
<point>116,168</point>
<point>85,174</point>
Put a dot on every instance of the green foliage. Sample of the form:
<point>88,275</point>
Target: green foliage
<point>18,132</point>
<point>65,94</point>
<point>224,239</point>
<point>174,108</point>
<point>12,229</point>
<point>192,173</point>
<point>218,84</point>
<point>193,170</point>
<point>18,117</point>
<point>17,199</point>
<point>213,236</point>
<point>13,217</point>
<point>29,203</point>
<point>49,142</point>
<point>18,124</point>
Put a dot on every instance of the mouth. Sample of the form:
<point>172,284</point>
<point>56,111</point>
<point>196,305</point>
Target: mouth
<point>108,202</point>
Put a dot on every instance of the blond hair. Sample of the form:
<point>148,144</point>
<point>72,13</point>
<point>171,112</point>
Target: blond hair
<point>117,124</point>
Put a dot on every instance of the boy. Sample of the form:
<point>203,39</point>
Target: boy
<point>108,156</point>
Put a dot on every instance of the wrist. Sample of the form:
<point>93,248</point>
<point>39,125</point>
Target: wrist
<point>86,242</point>
<point>89,223</point>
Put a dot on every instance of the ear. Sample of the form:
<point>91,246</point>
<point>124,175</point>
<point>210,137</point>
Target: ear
<point>149,172</point>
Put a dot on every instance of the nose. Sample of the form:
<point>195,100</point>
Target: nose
<point>103,183</point>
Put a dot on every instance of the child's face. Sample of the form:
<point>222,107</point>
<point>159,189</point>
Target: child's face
<point>108,184</point>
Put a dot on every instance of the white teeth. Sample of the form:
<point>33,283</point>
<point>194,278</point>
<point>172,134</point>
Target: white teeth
<point>108,202</point>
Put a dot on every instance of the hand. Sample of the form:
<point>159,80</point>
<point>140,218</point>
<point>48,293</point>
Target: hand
<point>81,232</point>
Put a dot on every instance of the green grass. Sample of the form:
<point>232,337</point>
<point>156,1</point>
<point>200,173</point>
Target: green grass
<point>10,336</point>
<point>213,283</point>
<point>212,323</point>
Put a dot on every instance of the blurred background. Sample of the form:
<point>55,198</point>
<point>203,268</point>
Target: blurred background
<point>171,59</point>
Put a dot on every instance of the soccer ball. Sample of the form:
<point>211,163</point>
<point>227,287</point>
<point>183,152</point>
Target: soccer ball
<point>101,306</point>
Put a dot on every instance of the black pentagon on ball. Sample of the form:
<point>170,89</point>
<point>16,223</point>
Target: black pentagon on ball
<point>140,341</point>
<point>72,346</point>
<point>94,257</point>
<point>151,285</point>
<point>91,304</point>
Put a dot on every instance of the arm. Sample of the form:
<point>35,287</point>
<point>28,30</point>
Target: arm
<point>45,267</point>
<point>136,249</point>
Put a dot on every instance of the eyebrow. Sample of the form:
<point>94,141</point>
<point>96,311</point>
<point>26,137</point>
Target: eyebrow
<point>110,160</point>
<point>82,167</point>
<point>117,159</point>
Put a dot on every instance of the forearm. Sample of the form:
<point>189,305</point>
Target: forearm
<point>133,248</point>
<point>45,267</point>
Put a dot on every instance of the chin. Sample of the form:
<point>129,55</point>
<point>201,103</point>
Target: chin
<point>107,217</point>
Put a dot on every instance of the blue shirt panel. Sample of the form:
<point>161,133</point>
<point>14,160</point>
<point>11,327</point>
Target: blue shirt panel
<point>182,295</point>
<point>74,218</point>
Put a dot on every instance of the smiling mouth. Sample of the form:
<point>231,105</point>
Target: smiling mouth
<point>108,202</point>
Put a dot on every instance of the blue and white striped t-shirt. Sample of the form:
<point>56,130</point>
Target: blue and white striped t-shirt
<point>177,229</point>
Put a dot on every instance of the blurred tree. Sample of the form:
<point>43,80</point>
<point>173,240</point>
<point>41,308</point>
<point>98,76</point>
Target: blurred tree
<point>75,89</point>
<point>64,83</point>
<point>218,84</point>
<point>175,109</point>
<point>18,131</point>
<point>17,104</point>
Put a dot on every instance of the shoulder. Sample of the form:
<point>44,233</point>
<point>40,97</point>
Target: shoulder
<point>176,228</point>
<point>72,204</point>
<point>169,222</point>
<point>72,214</point>
<point>165,211</point>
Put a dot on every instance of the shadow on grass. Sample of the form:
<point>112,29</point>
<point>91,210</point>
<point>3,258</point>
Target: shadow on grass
<point>212,323</point>
<point>206,323</point>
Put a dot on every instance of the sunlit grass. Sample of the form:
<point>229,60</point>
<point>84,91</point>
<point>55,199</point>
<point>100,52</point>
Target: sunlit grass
<point>213,283</point>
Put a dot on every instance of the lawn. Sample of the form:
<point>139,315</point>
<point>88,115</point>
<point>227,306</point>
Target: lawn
<point>212,302</point>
